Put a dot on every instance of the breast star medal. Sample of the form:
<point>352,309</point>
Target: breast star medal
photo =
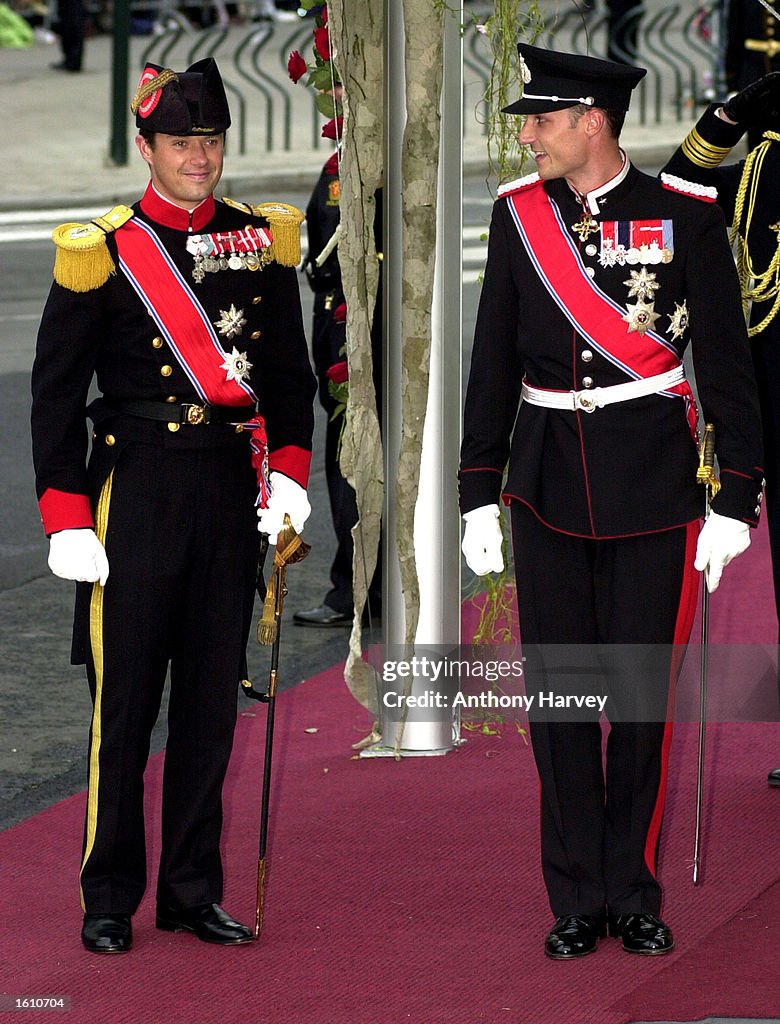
<point>640,317</point>
<point>642,285</point>
<point>231,322</point>
<point>237,366</point>
<point>678,320</point>
<point>585,226</point>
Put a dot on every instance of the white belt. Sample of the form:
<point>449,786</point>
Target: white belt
<point>597,398</point>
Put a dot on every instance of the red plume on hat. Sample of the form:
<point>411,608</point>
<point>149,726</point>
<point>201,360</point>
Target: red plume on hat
<point>191,102</point>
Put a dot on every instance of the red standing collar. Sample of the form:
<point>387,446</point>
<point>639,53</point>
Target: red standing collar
<point>164,212</point>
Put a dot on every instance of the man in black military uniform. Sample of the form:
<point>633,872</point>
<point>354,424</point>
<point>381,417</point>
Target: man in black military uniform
<point>752,48</point>
<point>749,196</point>
<point>598,277</point>
<point>186,312</point>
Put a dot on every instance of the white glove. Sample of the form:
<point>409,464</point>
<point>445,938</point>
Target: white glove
<point>720,540</point>
<point>78,555</point>
<point>482,540</point>
<point>286,496</point>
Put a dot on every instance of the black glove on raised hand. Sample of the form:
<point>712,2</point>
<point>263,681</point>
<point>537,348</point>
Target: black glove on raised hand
<point>757,104</point>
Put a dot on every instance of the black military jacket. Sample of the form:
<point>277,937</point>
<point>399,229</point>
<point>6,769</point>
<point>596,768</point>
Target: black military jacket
<point>698,159</point>
<point>107,334</point>
<point>627,468</point>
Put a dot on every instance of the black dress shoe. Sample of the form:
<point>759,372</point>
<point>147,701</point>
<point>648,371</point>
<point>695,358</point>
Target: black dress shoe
<point>107,933</point>
<point>209,922</point>
<point>322,616</point>
<point>641,933</point>
<point>774,777</point>
<point>575,935</point>
<point>62,66</point>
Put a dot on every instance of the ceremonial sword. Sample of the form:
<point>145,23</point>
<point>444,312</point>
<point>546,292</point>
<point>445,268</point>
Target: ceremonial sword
<point>705,474</point>
<point>289,549</point>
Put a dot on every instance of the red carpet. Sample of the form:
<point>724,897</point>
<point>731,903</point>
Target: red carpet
<point>410,891</point>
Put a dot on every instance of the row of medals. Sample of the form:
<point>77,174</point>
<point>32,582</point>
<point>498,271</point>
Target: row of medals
<point>235,261</point>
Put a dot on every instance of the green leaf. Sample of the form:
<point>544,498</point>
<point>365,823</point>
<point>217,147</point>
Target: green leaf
<point>323,77</point>
<point>325,105</point>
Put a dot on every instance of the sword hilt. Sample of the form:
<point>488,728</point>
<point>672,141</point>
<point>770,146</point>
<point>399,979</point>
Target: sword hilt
<point>705,474</point>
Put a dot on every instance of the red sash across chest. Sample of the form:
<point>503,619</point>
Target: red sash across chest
<point>178,314</point>
<point>592,313</point>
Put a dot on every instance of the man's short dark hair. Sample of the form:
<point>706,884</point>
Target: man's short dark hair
<point>615,118</point>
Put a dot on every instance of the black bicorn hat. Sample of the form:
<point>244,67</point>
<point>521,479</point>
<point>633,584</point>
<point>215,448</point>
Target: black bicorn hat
<point>191,102</point>
<point>555,81</point>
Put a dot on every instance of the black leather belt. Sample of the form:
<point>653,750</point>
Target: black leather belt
<point>187,412</point>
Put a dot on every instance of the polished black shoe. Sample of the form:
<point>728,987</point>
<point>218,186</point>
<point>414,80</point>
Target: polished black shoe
<point>575,935</point>
<point>641,933</point>
<point>774,777</point>
<point>323,616</point>
<point>107,933</point>
<point>209,922</point>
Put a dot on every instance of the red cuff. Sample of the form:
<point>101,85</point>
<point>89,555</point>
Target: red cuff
<point>61,510</point>
<point>293,462</point>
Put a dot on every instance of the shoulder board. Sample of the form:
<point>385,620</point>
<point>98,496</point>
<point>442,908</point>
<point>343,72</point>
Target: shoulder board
<point>706,193</point>
<point>244,207</point>
<point>518,185</point>
<point>82,261</point>
<point>285,224</point>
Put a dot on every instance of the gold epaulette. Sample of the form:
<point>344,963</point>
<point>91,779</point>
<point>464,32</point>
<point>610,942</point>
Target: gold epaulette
<point>285,224</point>
<point>82,261</point>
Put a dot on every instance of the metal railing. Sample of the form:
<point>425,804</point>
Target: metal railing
<point>681,63</point>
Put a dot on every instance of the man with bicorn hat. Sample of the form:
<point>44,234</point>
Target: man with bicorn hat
<point>185,311</point>
<point>597,280</point>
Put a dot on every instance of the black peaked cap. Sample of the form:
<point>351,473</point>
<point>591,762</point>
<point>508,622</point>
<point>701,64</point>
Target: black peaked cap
<point>555,81</point>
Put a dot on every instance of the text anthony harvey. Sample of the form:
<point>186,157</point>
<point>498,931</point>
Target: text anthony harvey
<point>488,699</point>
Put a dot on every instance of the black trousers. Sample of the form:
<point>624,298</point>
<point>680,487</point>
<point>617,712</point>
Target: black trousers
<point>70,24</point>
<point>181,537</point>
<point>601,820</point>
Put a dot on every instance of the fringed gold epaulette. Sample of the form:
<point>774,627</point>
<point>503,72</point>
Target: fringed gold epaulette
<point>83,261</point>
<point>285,224</point>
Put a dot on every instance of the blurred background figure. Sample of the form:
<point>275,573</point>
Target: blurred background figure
<point>752,48</point>
<point>267,10</point>
<point>70,25</point>
<point>329,338</point>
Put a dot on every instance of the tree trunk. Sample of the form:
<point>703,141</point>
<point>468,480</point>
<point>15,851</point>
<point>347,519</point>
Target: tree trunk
<point>424,34</point>
<point>356,28</point>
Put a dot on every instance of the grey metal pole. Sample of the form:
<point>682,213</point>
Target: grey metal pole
<point>119,70</point>
<point>395,118</point>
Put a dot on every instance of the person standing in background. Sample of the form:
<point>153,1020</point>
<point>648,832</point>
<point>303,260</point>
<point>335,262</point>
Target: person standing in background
<point>748,194</point>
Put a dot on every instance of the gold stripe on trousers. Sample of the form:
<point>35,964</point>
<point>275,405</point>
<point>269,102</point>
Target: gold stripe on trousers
<point>96,643</point>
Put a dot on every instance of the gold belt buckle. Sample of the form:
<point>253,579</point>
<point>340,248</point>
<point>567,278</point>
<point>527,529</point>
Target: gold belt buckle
<point>196,414</point>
